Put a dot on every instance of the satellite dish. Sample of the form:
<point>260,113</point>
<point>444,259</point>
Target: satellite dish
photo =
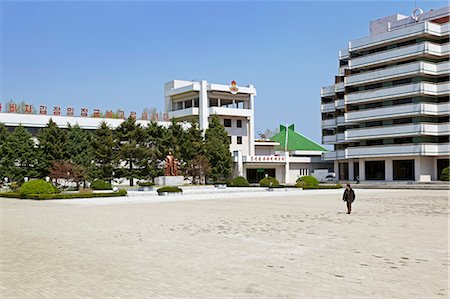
<point>417,14</point>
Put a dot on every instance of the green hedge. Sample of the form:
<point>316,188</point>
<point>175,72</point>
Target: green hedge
<point>269,182</point>
<point>63,195</point>
<point>445,175</point>
<point>37,187</point>
<point>307,181</point>
<point>101,185</point>
<point>146,184</point>
<point>337,186</point>
<point>169,190</point>
<point>239,182</point>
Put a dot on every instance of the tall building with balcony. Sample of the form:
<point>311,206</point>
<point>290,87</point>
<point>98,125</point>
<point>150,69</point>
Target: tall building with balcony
<point>387,115</point>
<point>199,100</point>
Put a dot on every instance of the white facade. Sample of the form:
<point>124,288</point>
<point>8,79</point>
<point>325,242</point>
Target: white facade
<point>387,115</point>
<point>199,100</point>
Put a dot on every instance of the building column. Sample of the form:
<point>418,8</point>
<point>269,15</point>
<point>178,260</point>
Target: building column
<point>351,171</point>
<point>251,131</point>
<point>336,169</point>
<point>203,111</point>
<point>362,170</point>
<point>423,169</point>
<point>286,168</point>
<point>388,170</point>
<point>240,163</point>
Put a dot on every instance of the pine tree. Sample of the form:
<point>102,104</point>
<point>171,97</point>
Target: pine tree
<point>20,152</point>
<point>4,134</point>
<point>102,146</point>
<point>129,149</point>
<point>154,151</point>
<point>52,147</point>
<point>79,150</point>
<point>217,148</point>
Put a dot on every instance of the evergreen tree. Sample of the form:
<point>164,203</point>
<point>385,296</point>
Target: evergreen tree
<point>4,134</point>
<point>102,146</point>
<point>154,151</point>
<point>20,152</point>
<point>52,146</point>
<point>130,150</point>
<point>217,148</point>
<point>79,150</point>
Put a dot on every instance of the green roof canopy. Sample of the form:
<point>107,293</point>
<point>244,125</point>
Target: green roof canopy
<point>295,141</point>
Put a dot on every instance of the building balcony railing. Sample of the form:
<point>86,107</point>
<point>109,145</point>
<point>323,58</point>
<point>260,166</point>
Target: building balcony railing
<point>329,123</point>
<point>423,149</point>
<point>339,87</point>
<point>193,111</point>
<point>334,155</point>
<point>423,28</point>
<point>328,107</point>
<point>407,90</point>
<point>327,91</point>
<point>415,68</point>
<point>398,131</point>
<point>402,53</point>
<point>340,104</point>
<point>398,111</point>
<point>344,54</point>
<point>400,150</point>
<point>329,139</point>
<point>231,111</point>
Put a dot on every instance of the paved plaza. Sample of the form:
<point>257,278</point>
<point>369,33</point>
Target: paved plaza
<point>253,245</point>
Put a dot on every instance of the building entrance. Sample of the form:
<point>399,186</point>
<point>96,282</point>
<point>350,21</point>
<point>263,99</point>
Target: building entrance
<point>255,175</point>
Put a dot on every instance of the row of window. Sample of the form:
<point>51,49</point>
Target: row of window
<point>227,123</point>
<point>393,141</point>
<point>384,104</point>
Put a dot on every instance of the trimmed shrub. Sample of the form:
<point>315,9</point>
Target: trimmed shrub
<point>169,189</point>
<point>100,185</point>
<point>85,191</point>
<point>269,182</point>
<point>121,192</point>
<point>10,194</point>
<point>146,184</point>
<point>307,181</point>
<point>337,186</point>
<point>239,182</point>
<point>445,175</point>
<point>37,187</point>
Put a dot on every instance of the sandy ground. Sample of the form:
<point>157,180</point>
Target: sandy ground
<point>394,245</point>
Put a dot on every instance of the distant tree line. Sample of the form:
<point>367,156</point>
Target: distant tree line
<point>128,151</point>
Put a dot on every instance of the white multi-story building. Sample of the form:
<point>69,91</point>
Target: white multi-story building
<point>387,115</point>
<point>234,105</point>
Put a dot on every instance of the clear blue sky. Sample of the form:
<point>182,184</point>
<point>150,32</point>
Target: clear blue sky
<point>111,55</point>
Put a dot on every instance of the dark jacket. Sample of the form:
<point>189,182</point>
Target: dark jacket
<point>349,195</point>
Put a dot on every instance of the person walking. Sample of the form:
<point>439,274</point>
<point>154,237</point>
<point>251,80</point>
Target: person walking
<point>349,197</point>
